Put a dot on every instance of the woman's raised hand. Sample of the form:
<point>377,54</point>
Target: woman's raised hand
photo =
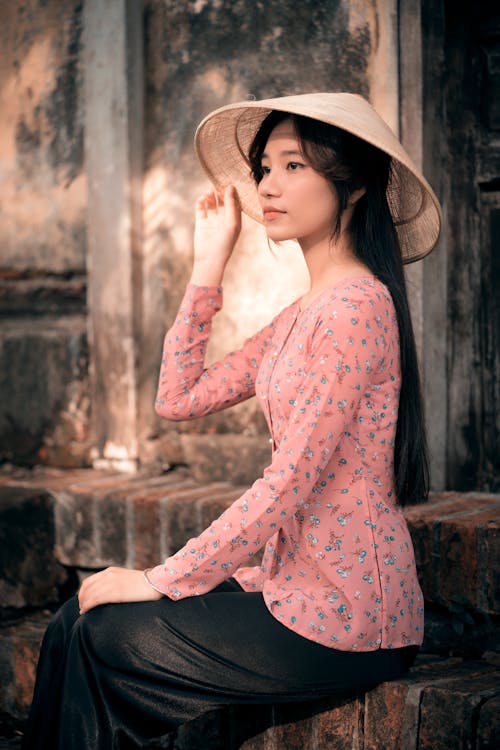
<point>218,224</point>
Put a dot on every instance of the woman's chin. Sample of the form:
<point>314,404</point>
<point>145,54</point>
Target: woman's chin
<point>277,235</point>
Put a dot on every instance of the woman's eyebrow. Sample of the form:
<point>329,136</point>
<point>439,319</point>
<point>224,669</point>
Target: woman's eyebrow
<point>292,152</point>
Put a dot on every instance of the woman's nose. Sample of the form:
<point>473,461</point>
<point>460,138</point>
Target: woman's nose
<point>269,185</point>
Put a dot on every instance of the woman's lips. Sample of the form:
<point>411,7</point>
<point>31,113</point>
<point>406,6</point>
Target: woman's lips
<point>272,213</point>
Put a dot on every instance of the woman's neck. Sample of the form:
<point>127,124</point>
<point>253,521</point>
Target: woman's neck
<point>328,262</point>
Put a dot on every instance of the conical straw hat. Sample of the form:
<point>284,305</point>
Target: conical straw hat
<point>224,137</point>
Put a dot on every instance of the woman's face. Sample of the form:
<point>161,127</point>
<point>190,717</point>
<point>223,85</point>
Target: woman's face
<point>297,202</point>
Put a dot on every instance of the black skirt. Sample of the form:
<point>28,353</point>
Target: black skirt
<point>126,676</point>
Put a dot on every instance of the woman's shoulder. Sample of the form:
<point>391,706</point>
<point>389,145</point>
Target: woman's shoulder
<point>365,294</point>
<point>358,308</point>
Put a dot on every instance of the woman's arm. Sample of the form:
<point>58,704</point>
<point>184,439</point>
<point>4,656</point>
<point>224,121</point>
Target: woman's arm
<point>186,389</point>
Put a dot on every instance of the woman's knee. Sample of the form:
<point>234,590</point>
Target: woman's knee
<point>65,618</point>
<point>109,631</point>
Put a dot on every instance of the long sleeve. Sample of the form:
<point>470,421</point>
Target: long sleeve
<point>187,389</point>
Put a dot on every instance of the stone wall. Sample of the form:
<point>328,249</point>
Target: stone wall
<point>199,56</point>
<point>44,400</point>
<point>195,56</point>
<point>167,64</point>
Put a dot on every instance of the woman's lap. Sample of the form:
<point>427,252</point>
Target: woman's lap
<point>174,660</point>
<point>232,633</point>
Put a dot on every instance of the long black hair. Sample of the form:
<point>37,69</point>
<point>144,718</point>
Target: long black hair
<point>349,163</point>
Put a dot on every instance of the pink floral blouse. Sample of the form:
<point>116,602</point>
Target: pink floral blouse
<point>338,566</point>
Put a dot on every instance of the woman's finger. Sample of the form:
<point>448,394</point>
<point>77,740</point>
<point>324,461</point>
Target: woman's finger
<point>232,207</point>
<point>209,201</point>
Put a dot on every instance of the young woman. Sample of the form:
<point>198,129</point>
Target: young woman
<point>335,606</point>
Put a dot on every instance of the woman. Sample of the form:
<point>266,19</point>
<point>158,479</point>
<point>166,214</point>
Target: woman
<point>335,606</point>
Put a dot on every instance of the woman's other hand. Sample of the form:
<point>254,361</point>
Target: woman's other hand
<point>115,586</point>
<point>218,224</point>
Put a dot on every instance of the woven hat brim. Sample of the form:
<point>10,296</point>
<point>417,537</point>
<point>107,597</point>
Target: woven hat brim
<point>224,137</point>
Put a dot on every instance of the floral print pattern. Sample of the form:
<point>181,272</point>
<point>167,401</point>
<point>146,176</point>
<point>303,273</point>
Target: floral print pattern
<point>338,566</point>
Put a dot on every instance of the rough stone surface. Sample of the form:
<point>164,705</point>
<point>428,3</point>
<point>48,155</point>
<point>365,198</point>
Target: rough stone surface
<point>93,526</point>
<point>133,520</point>
<point>128,518</point>
<point>44,408</point>
<point>460,631</point>
<point>227,458</point>
<point>341,725</point>
<point>392,709</point>
<point>466,37</point>
<point>488,552</point>
<point>456,541</point>
<point>459,577</point>
<point>293,726</point>
<point>19,649</point>
<point>41,294</point>
<point>488,728</point>
<point>29,574</point>
<point>448,712</point>
<point>41,155</point>
<point>250,727</point>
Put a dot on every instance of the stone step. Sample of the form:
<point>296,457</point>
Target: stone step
<point>97,519</point>
<point>54,522</point>
<point>443,704</point>
<point>56,525</point>
<point>10,733</point>
<point>20,641</point>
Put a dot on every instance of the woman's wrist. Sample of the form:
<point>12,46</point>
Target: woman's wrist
<point>145,574</point>
<point>207,273</point>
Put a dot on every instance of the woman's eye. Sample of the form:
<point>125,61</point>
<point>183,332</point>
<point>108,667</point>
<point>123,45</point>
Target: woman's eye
<point>293,165</point>
<point>265,170</point>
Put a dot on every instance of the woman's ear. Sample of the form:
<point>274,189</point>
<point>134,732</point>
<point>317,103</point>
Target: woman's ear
<point>355,196</point>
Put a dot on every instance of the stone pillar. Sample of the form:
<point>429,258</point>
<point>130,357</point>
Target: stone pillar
<point>384,61</point>
<point>113,154</point>
<point>427,279</point>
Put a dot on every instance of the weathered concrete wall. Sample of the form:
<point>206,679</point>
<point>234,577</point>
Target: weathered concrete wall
<point>44,391</point>
<point>44,401</point>
<point>198,56</point>
<point>41,179</point>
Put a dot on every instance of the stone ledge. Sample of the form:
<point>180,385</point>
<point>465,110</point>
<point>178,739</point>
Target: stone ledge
<point>104,518</point>
<point>44,419</point>
<point>20,642</point>
<point>457,547</point>
<point>122,519</point>
<point>443,704</point>
<point>30,576</point>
